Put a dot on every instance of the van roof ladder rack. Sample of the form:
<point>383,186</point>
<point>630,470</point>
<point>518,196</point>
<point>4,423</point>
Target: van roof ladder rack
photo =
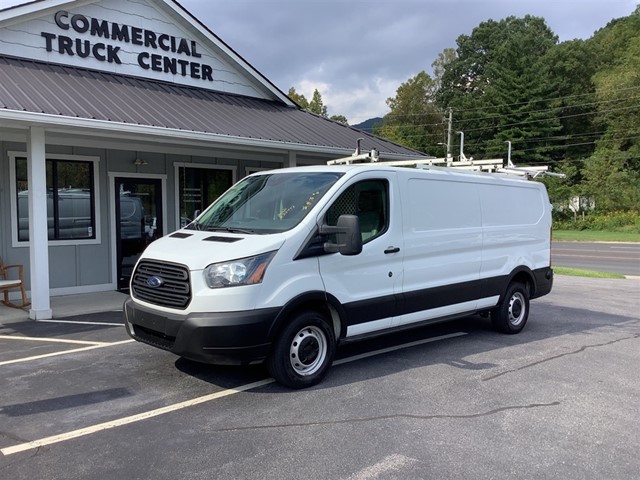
<point>494,165</point>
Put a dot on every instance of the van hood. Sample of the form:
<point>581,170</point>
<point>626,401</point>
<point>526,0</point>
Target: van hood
<point>197,249</point>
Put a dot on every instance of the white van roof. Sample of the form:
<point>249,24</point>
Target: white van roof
<point>351,170</point>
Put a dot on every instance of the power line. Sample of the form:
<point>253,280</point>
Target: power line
<point>551,109</point>
<point>545,99</point>
<point>597,112</point>
<point>550,148</point>
<point>524,122</point>
<point>533,101</point>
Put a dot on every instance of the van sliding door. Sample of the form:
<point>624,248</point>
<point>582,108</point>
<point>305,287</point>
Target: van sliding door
<point>443,253</point>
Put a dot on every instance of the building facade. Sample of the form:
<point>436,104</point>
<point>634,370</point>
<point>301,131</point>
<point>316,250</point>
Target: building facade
<point>120,120</point>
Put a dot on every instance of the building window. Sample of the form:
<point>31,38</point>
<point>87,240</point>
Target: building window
<point>199,187</point>
<point>70,199</point>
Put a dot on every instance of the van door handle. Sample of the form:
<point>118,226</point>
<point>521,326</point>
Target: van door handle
<point>392,250</point>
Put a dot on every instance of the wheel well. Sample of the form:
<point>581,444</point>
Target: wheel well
<point>526,279</point>
<point>322,307</point>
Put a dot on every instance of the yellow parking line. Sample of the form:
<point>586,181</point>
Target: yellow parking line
<point>76,322</point>
<point>189,403</point>
<point>66,352</point>
<point>51,340</point>
<point>126,420</point>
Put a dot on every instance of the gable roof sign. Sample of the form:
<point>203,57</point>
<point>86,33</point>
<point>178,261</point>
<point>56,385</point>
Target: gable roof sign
<point>122,33</point>
<point>156,39</point>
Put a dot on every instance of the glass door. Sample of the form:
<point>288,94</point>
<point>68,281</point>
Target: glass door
<point>138,222</point>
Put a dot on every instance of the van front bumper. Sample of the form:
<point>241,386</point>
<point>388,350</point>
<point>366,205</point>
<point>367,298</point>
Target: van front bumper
<point>229,338</point>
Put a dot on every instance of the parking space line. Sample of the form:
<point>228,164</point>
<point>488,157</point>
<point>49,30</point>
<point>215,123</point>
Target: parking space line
<point>189,403</point>
<point>76,322</point>
<point>134,418</point>
<point>65,352</point>
<point>50,340</point>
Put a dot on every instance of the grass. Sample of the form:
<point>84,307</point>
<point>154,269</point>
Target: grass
<point>594,236</point>
<point>577,272</point>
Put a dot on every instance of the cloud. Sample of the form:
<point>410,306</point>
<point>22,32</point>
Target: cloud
<point>357,52</point>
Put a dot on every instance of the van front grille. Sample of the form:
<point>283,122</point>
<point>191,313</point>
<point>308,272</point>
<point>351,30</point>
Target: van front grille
<point>169,285</point>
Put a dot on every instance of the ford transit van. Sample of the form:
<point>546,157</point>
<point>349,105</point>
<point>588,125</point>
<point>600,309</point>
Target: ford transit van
<point>288,264</point>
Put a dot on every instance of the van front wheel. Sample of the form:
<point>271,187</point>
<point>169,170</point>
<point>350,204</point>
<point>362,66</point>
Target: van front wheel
<point>511,316</point>
<point>303,352</point>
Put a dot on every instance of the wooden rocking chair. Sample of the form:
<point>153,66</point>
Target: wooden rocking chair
<point>9,282</point>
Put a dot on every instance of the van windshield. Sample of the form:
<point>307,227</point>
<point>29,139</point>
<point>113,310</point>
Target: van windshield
<point>269,203</point>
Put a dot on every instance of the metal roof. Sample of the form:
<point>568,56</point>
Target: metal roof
<point>70,92</point>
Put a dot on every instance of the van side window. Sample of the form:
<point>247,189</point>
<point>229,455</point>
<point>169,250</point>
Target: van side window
<point>369,200</point>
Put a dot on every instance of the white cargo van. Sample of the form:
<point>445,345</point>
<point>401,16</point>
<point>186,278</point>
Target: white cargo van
<point>288,264</point>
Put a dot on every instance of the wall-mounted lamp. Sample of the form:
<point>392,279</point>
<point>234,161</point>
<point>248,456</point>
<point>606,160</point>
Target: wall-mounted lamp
<point>137,162</point>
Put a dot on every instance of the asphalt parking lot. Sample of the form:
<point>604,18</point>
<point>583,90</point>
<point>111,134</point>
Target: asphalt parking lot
<point>560,400</point>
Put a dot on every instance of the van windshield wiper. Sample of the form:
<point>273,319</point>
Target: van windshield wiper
<point>229,229</point>
<point>194,225</point>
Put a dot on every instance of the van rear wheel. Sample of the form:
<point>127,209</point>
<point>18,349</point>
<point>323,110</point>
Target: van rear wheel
<point>511,316</point>
<point>303,352</point>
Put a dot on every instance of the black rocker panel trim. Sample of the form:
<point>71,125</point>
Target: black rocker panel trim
<point>400,304</point>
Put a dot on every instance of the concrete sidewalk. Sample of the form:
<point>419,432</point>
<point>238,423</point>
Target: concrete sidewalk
<point>68,306</point>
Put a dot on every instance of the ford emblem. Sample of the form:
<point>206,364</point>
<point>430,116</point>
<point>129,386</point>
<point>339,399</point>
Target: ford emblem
<point>155,282</point>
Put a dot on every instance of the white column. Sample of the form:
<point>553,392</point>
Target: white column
<point>38,236</point>
<point>292,159</point>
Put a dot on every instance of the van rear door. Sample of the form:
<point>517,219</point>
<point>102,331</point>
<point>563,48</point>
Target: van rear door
<point>367,284</point>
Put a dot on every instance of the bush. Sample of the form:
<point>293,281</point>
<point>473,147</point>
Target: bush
<point>612,222</point>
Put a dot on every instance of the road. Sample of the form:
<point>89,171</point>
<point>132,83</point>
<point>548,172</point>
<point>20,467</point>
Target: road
<point>451,401</point>
<point>621,258</point>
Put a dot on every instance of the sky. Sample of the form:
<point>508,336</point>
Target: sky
<point>358,52</point>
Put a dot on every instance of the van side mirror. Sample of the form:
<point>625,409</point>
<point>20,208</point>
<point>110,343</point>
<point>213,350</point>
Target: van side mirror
<point>348,236</point>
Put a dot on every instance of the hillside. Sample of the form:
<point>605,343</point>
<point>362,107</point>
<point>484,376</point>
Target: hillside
<point>367,125</point>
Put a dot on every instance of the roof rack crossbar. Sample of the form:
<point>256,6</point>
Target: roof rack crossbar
<point>492,165</point>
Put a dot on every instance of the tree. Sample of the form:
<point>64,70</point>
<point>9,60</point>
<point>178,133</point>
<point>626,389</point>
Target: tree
<point>571,66</point>
<point>440,64</point>
<point>298,98</point>
<point>316,105</point>
<point>495,85</point>
<point>339,119</point>
<point>414,120</point>
<point>612,173</point>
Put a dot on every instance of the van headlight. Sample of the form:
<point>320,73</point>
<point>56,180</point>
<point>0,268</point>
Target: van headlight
<point>244,271</point>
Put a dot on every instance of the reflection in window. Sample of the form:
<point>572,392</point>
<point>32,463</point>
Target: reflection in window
<point>70,200</point>
<point>199,187</point>
<point>269,203</point>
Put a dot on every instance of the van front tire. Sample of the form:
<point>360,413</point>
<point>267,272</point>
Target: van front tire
<point>303,352</point>
<point>511,316</point>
